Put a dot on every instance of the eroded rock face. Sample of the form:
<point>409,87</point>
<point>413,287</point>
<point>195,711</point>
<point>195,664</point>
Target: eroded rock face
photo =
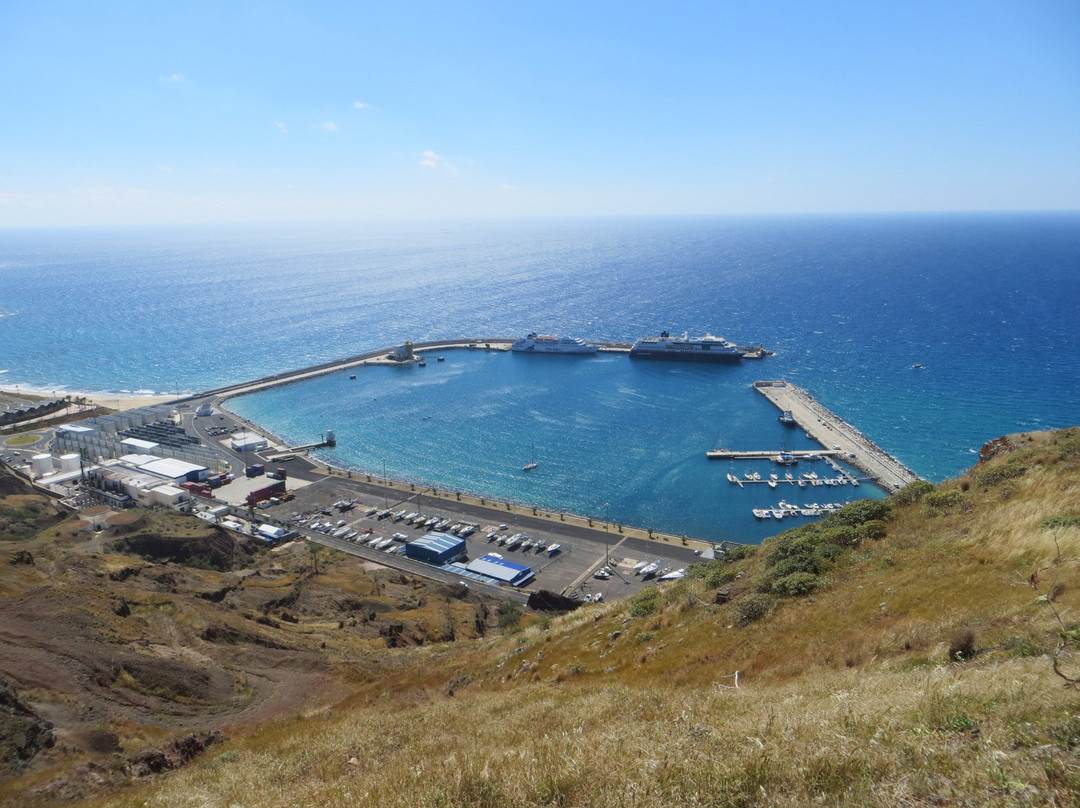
<point>997,448</point>
<point>551,602</point>
<point>173,755</point>
<point>22,732</point>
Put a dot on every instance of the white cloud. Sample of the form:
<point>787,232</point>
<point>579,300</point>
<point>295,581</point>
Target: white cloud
<point>330,126</point>
<point>282,127</point>
<point>175,78</point>
<point>433,160</point>
<point>360,105</point>
<point>166,169</point>
<point>508,188</point>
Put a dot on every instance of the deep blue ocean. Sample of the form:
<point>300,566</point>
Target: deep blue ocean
<point>988,304</point>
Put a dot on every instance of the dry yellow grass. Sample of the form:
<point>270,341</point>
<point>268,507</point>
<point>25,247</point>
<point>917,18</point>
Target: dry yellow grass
<point>847,696</point>
<point>988,735</point>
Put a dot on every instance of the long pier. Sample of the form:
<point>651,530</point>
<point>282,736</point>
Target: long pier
<point>839,438</point>
<point>729,454</point>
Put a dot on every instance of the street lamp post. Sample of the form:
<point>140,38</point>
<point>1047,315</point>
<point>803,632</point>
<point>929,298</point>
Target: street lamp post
<point>607,514</point>
<point>386,494</point>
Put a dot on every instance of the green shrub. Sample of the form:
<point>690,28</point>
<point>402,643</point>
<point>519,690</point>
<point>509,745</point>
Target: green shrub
<point>796,585</point>
<point>789,544</point>
<point>739,552</point>
<point>941,500</point>
<point>1069,446</point>
<point>808,565</point>
<point>752,608</point>
<point>644,637</point>
<point>912,492</point>
<point>1062,520</point>
<point>999,474</point>
<point>716,578</point>
<point>840,535</point>
<point>644,602</point>
<point>698,570</point>
<point>510,615</point>
<point>874,529</point>
<point>858,512</point>
<point>1023,647</point>
<point>828,552</point>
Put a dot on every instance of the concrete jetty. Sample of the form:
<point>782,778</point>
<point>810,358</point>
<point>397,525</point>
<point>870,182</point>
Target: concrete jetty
<point>840,438</point>
<point>731,454</point>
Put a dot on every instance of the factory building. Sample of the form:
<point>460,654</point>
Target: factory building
<point>436,548</point>
<point>138,445</point>
<point>179,471</point>
<point>248,442</point>
<point>495,566</point>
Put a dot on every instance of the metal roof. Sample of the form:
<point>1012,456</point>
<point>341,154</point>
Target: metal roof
<point>138,443</point>
<point>438,542</point>
<point>500,568</point>
<point>168,467</point>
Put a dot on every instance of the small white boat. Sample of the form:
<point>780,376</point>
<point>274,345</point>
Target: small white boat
<point>650,570</point>
<point>553,548</point>
<point>772,483</point>
<point>673,576</point>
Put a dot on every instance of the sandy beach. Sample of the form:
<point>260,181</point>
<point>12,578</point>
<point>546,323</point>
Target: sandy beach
<point>115,401</point>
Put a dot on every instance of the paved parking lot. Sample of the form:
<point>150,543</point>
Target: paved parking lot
<point>570,571</point>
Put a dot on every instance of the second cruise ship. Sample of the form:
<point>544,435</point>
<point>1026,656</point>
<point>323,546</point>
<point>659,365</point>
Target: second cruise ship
<point>547,343</point>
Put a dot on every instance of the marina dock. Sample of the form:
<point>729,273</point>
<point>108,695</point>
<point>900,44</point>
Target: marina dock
<point>729,454</point>
<point>839,438</point>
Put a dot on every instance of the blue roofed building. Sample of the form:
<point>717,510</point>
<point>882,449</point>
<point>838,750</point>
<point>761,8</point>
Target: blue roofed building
<point>497,567</point>
<point>436,548</point>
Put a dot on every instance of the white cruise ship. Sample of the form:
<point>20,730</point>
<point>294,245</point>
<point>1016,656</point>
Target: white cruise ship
<point>547,343</point>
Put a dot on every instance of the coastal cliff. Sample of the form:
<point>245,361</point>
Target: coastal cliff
<point>916,650</point>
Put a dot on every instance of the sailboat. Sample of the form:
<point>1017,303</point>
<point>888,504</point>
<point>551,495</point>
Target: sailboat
<point>532,463</point>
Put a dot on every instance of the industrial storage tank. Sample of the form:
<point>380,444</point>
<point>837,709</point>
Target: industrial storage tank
<point>69,462</point>
<point>41,464</point>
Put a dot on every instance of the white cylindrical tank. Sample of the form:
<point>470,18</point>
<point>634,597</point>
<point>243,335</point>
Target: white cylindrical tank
<point>41,464</point>
<point>69,462</point>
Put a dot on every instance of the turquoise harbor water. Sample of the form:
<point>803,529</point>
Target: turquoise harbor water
<point>613,438</point>
<point>988,304</point>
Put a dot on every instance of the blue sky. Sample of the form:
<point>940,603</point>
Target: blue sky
<point>148,112</point>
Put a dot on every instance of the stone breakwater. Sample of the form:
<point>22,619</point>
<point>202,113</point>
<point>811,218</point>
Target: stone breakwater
<point>834,433</point>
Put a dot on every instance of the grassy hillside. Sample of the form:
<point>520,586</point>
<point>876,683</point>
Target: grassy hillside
<point>919,651</point>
